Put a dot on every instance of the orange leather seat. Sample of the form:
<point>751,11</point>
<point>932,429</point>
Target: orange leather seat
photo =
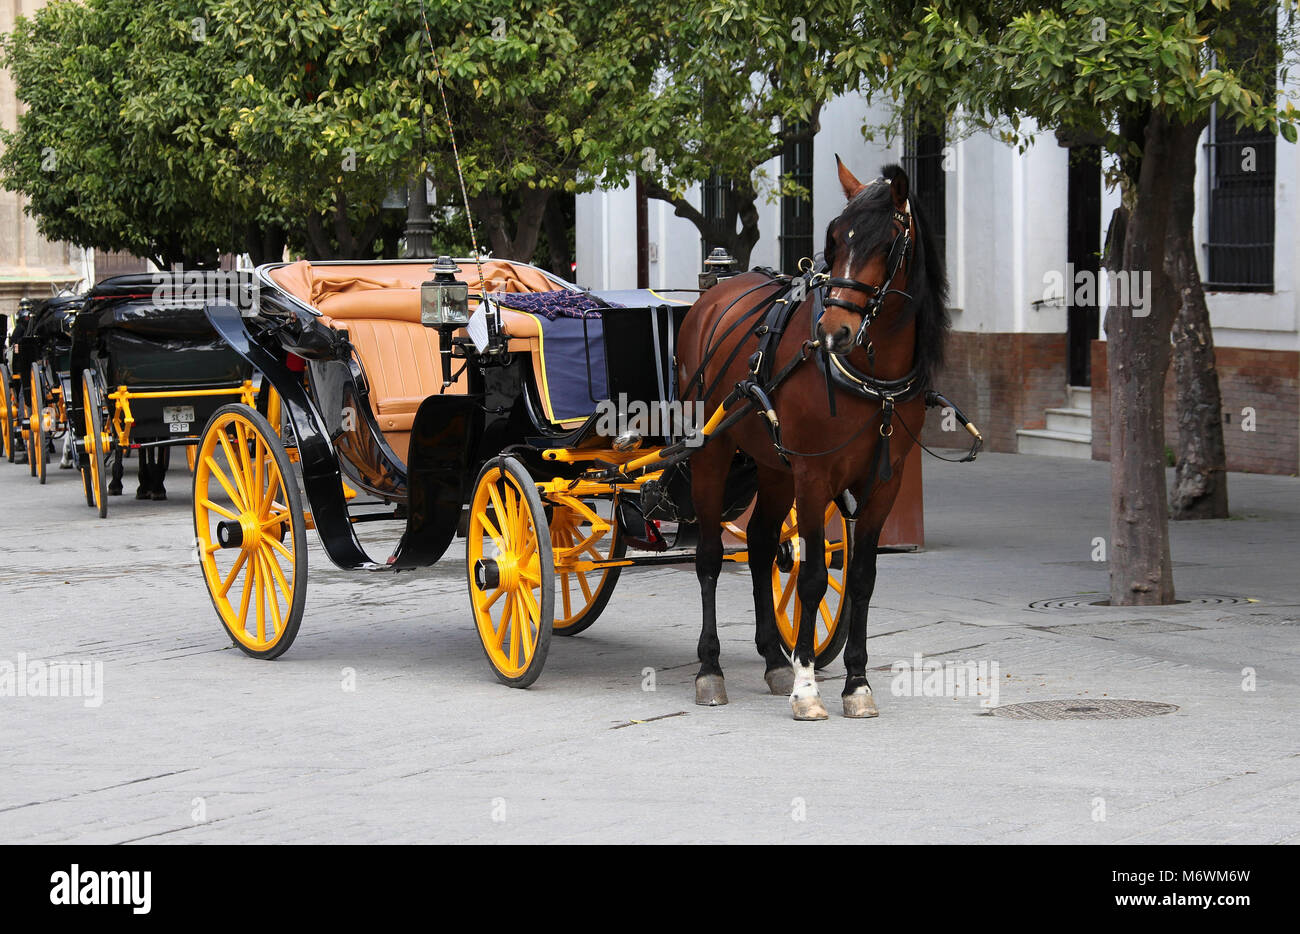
<point>379,306</point>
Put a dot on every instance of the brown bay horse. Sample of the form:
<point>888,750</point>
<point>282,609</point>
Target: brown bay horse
<point>884,323</point>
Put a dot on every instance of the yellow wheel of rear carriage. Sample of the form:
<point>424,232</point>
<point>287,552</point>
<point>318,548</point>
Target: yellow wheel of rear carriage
<point>250,531</point>
<point>96,445</point>
<point>37,457</point>
<point>6,414</point>
<point>36,454</point>
<point>830,637</point>
<point>581,533</point>
<point>511,574</point>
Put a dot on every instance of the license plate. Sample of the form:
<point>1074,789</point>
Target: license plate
<point>178,413</point>
<point>179,427</point>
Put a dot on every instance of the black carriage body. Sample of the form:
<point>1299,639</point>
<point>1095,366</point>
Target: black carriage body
<point>140,331</point>
<point>325,391</point>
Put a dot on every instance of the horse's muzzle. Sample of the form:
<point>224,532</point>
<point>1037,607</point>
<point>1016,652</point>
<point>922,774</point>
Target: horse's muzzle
<point>839,342</point>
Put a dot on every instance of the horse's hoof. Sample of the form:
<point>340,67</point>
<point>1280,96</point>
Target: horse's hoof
<point>809,708</point>
<point>860,706</point>
<point>158,495</point>
<point>780,680</point>
<point>710,691</point>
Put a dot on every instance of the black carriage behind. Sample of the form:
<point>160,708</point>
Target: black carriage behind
<point>147,372</point>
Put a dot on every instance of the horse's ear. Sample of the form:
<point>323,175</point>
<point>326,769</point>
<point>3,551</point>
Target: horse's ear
<point>850,184</point>
<point>898,185</point>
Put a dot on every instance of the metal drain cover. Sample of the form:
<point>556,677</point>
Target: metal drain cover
<point>1102,708</point>
<point>1098,600</point>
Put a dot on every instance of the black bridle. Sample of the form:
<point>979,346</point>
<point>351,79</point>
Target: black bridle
<point>899,251</point>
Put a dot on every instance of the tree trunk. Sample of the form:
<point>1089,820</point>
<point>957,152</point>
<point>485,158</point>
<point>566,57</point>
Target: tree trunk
<point>741,208</point>
<point>1200,477</point>
<point>557,238</point>
<point>490,210</point>
<point>265,243</point>
<point>1137,331</point>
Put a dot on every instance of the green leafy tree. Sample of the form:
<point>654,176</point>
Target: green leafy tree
<point>333,105</point>
<point>105,149</point>
<point>738,82</point>
<point>1141,79</point>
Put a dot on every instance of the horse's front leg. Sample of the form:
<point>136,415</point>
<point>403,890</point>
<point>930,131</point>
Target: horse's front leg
<point>805,699</point>
<point>708,476</point>
<point>857,698</point>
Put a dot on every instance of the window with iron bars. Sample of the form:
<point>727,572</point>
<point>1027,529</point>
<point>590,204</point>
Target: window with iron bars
<point>923,145</point>
<point>1242,166</point>
<point>1241,169</point>
<point>796,237</point>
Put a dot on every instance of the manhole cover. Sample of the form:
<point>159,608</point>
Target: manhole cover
<point>1261,619</point>
<point>1098,600</point>
<point>1104,708</point>
<point>1116,627</point>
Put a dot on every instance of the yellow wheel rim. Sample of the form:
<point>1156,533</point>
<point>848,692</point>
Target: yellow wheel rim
<point>578,535</point>
<point>94,446</point>
<point>785,590</point>
<point>37,453</point>
<point>237,480</point>
<point>502,531</point>
<point>6,428</point>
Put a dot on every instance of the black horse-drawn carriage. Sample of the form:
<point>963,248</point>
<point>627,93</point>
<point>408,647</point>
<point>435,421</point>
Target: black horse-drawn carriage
<point>147,371</point>
<point>486,400</point>
<point>35,374</point>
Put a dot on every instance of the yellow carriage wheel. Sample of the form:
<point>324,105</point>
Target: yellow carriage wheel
<point>6,413</point>
<point>580,533</point>
<point>830,637</point>
<point>250,531</point>
<point>511,572</point>
<point>96,445</point>
<point>37,458</point>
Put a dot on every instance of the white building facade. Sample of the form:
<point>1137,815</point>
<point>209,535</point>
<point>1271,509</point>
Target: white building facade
<point>1014,226</point>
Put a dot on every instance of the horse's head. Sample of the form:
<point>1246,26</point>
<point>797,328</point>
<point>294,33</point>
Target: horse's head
<point>869,255</point>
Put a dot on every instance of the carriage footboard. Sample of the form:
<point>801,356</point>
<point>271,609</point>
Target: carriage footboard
<point>444,437</point>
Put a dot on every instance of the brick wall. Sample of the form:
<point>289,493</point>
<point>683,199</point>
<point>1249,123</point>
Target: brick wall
<point>1266,380</point>
<point>1002,381</point>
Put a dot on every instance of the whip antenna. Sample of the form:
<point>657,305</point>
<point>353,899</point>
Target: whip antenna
<point>469,217</point>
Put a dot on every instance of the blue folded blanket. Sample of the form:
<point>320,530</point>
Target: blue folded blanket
<point>563,303</point>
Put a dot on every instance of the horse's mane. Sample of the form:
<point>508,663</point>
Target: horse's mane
<point>868,215</point>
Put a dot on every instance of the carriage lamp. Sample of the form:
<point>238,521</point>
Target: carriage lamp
<point>719,265</point>
<point>444,300</point>
<point>444,304</point>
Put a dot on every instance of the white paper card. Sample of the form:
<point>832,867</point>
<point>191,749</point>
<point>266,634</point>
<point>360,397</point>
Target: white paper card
<point>477,327</point>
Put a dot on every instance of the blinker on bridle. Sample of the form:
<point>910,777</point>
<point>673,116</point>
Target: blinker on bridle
<point>876,294</point>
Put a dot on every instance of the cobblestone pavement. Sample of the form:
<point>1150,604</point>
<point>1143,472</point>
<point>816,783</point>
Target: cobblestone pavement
<point>195,742</point>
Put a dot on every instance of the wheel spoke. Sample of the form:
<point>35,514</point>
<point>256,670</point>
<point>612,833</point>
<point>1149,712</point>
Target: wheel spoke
<point>245,598</point>
<point>259,591</point>
<point>240,501</point>
<point>514,630</point>
<point>506,614</point>
<point>279,546</point>
<point>787,592</point>
<point>278,573</point>
<point>564,594</point>
<point>234,572</point>
<point>225,484</point>
<point>219,510</point>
